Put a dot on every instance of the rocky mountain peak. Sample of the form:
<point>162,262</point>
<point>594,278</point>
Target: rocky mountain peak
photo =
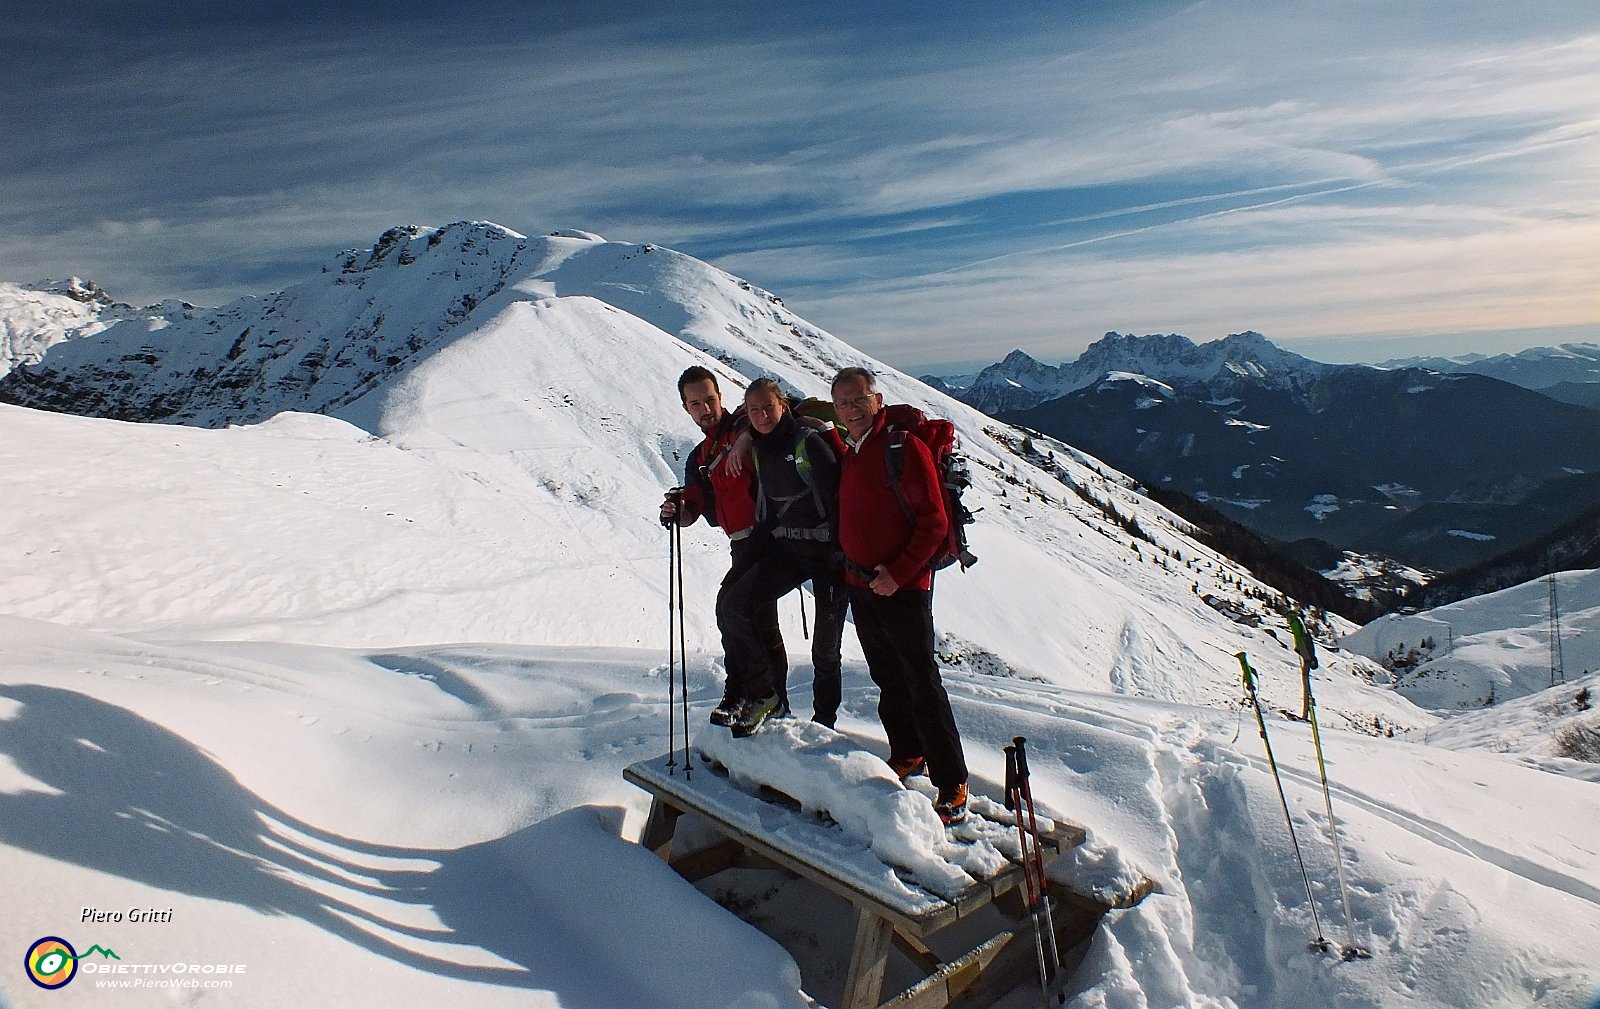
<point>76,288</point>
<point>409,244</point>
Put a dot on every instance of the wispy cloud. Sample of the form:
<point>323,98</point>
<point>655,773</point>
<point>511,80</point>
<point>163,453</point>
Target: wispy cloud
<point>921,185</point>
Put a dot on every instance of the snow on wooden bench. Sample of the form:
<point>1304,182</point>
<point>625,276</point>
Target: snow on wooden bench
<point>812,801</point>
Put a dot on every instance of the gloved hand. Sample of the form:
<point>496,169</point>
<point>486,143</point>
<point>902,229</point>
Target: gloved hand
<point>671,506</point>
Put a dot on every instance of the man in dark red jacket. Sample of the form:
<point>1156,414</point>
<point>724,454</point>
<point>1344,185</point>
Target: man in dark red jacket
<point>889,540</point>
<point>725,497</point>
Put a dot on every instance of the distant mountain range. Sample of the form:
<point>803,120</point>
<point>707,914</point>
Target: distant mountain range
<point>1541,368</point>
<point>1570,372</point>
<point>1439,471</point>
<point>1020,382</point>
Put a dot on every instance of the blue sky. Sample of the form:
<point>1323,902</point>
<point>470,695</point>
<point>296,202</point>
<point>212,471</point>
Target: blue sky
<point>933,183</point>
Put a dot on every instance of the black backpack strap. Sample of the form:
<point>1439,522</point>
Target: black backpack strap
<point>895,449</point>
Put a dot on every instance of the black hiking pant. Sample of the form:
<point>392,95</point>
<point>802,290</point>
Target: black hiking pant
<point>780,569</point>
<point>769,658</point>
<point>896,635</point>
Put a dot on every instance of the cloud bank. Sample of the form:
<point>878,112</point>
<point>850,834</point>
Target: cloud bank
<point>928,187</point>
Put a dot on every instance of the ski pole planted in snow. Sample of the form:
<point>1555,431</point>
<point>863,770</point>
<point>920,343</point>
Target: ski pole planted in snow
<point>683,655</point>
<point>672,643</point>
<point>1319,943</point>
<point>1308,656</point>
<point>677,644</point>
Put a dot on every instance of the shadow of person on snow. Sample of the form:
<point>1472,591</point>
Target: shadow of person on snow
<point>563,905</point>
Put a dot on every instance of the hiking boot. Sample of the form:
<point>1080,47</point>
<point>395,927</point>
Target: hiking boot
<point>822,718</point>
<point>952,804</point>
<point>908,767</point>
<point>753,714</point>
<point>726,709</point>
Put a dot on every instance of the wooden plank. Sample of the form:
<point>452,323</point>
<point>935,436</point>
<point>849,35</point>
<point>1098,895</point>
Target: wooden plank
<point>940,915</point>
<point>707,862</point>
<point>954,979</point>
<point>869,958</point>
<point>974,979</point>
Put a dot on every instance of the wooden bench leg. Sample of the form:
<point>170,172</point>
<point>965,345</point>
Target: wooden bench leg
<point>917,952</point>
<point>863,983</point>
<point>659,827</point>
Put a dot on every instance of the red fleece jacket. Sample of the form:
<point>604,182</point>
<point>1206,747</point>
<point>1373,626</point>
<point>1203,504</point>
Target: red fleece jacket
<point>873,527</point>
<point>709,489</point>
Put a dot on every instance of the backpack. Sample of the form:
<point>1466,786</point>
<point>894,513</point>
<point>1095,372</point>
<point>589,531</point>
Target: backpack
<point>802,465</point>
<point>902,421</point>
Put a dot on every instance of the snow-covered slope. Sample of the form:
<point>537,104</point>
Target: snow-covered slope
<point>355,691</point>
<point>1557,728</point>
<point>36,317</point>
<point>1490,648</point>
<point>549,413</point>
<point>449,824</point>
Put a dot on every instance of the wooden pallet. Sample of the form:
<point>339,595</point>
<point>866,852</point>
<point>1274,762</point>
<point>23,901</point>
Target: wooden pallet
<point>888,913</point>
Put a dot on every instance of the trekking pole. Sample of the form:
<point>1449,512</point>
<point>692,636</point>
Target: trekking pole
<point>1026,787</point>
<point>1307,651</point>
<point>1320,943</point>
<point>805,625</point>
<point>1014,803</point>
<point>672,644</point>
<point>683,655</point>
<point>1351,951</point>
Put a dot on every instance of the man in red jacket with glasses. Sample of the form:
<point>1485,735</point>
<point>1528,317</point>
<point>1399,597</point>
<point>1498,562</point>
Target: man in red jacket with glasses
<point>889,540</point>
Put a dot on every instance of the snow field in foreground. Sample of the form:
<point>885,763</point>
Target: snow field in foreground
<point>444,823</point>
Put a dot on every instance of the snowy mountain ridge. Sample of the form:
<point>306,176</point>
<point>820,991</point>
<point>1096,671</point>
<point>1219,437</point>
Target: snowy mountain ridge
<point>1436,471</point>
<point>1533,368</point>
<point>311,347</point>
<point>1019,381</point>
<point>36,317</point>
<point>544,368</point>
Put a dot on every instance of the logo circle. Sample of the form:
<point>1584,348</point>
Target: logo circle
<point>51,962</point>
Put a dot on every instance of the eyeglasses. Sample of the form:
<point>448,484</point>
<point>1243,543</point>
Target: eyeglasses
<point>854,402</point>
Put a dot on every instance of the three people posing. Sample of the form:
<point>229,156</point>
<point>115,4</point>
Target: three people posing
<point>860,518</point>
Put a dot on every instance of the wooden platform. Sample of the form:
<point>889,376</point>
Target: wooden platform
<point>891,910</point>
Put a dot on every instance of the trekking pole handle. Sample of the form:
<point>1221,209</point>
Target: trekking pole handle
<point>675,496</point>
<point>1011,777</point>
<point>1020,743</point>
